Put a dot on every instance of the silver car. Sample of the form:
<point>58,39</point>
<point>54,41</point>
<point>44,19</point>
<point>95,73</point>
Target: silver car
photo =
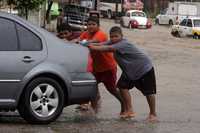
<point>39,73</point>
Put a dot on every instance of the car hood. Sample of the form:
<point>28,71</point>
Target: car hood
<point>175,27</point>
<point>141,20</point>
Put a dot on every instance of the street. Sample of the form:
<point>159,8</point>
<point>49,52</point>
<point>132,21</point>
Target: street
<point>176,62</point>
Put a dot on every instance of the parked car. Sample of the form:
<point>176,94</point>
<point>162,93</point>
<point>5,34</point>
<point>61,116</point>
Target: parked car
<point>186,27</point>
<point>135,19</point>
<point>39,73</point>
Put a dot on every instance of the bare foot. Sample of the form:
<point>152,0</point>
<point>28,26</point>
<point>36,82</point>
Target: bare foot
<point>97,107</point>
<point>127,114</point>
<point>152,118</point>
<point>84,107</point>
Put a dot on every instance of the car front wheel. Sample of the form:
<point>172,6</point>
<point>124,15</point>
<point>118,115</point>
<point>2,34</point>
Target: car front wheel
<point>157,21</point>
<point>171,23</point>
<point>42,101</point>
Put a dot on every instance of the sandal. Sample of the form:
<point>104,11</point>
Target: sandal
<point>127,114</point>
<point>83,107</point>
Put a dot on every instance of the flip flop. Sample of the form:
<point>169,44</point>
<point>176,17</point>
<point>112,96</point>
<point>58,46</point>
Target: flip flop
<point>128,115</point>
<point>83,107</point>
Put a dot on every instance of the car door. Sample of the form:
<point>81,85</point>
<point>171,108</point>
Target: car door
<point>182,27</point>
<point>188,28</point>
<point>20,51</point>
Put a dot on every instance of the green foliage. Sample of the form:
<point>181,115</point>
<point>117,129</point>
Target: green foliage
<point>28,4</point>
<point>24,6</point>
<point>11,2</point>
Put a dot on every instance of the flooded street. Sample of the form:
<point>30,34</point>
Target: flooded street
<point>177,67</point>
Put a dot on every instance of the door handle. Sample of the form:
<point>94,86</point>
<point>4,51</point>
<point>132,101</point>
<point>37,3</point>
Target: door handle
<point>27,59</point>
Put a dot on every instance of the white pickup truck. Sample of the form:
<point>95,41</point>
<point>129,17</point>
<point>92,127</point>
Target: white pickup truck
<point>177,11</point>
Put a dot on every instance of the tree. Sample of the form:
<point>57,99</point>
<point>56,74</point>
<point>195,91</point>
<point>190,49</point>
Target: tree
<point>27,5</point>
<point>10,3</point>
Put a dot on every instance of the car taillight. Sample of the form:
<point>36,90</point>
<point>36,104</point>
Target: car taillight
<point>149,24</point>
<point>89,64</point>
<point>134,24</point>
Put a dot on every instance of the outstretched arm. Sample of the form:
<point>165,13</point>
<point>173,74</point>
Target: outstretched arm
<point>102,48</point>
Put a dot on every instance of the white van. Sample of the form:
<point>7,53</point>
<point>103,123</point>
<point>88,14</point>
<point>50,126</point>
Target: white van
<point>177,11</point>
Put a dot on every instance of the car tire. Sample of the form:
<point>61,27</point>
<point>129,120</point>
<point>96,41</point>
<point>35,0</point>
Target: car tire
<point>42,101</point>
<point>171,22</point>
<point>176,34</point>
<point>157,22</point>
<point>195,36</point>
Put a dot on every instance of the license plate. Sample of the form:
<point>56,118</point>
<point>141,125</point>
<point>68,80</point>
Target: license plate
<point>142,26</point>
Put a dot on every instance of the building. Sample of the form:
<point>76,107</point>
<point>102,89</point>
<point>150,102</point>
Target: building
<point>157,5</point>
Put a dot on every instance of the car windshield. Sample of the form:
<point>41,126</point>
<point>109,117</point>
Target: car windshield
<point>138,14</point>
<point>163,11</point>
<point>197,23</point>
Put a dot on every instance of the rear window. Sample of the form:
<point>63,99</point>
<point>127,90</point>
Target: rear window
<point>138,14</point>
<point>28,40</point>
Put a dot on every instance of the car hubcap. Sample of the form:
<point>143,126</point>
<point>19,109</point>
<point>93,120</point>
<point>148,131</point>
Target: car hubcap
<point>44,100</point>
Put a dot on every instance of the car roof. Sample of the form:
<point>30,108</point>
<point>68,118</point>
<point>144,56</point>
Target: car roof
<point>135,11</point>
<point>12,17</point>
<point>5,14</point>
<point>32,27</point>
<point>193,18</point>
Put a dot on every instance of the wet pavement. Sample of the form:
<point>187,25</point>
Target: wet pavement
<point>177,68</point>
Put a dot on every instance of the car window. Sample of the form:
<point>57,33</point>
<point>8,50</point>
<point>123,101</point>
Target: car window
<point>183,23</point>
<point>28,40</point>
<point>189,23</point>
<point>8,35</point>
<point>196,23</point>
<point>138,14</point>
<point>163,12</point>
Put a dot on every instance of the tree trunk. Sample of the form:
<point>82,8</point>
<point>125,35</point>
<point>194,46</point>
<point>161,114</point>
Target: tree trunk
<point>10,8</point>
<point>26,13</point>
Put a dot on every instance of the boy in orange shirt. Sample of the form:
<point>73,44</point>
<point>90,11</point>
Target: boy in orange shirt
<point>104,65</point>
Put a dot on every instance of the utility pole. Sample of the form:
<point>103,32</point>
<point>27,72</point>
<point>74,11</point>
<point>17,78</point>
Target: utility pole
<point>44,14</point>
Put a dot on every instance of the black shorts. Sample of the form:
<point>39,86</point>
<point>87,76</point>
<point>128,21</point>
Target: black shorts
<point>146,84</point>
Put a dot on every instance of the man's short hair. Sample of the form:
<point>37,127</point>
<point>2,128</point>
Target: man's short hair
<point>66,27</point>
<point>94,19</point>
<point>116,29</point>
